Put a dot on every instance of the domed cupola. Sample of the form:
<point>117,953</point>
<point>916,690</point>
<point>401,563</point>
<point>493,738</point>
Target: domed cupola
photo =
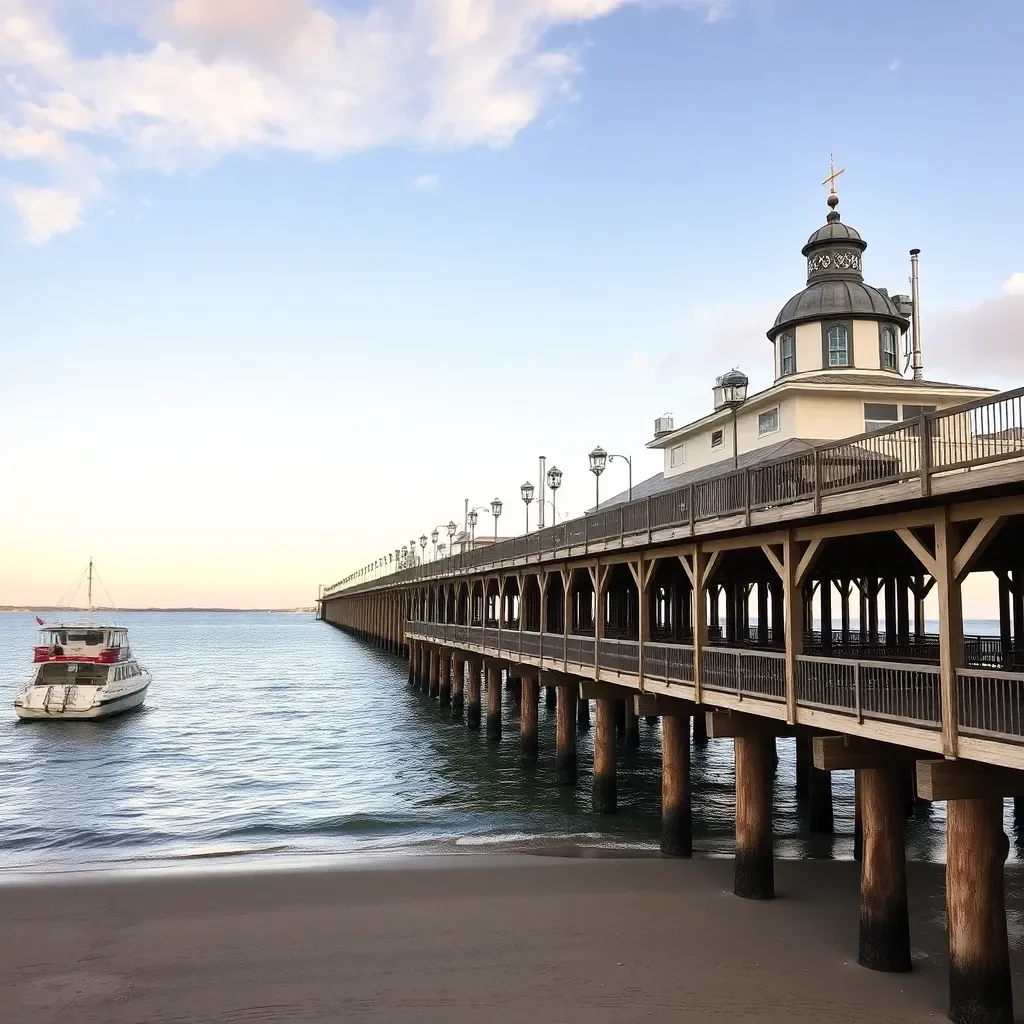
<point>837,295</point>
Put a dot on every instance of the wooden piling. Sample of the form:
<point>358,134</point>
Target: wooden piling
<point>979,960</point>
<point>755,869</point>
<point>700,727</point>
<point>444,688</point>
<point>565,734</point>
<point>858,823</point>
<point>529,697</point>
<point>884,923</point>
<point>604,795</point>
<point>583,715</point>
<point>821,818</point>
<point>676,821</point>
<point>803,765</point>
<point>473,696</point>
<point>412,664</point>
<point>434,682</point>
<point>458,685</point>
<point>493,701</point>
<point>632,730</point>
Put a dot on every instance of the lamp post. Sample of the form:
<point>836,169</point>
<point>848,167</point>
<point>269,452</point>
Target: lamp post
<point>496,511</point>
<point>526,492</point>
<point>731,391</point>
<point>412,550</point>
<point>598,461</point>
<point>423,547</point>
<point>405,555</point>
<point>472,518</point>
<point>452,527</point>
<point>554,482</point>
<point>629,462</point>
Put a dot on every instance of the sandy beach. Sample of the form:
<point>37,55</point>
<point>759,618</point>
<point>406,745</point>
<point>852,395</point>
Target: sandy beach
<point>515,938</point>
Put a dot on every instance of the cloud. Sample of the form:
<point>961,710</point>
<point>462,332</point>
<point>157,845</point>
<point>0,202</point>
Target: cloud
<point>984,343</point>
<point>204,79</point>
<point>46,212</point>
<point>426,183</point>
<point>1014,284</point>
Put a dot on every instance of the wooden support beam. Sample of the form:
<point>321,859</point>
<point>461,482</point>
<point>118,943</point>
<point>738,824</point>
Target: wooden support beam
<point>590,690</point>
<point>652,705</point>
<point>839,753</point>
<point>729,724</point>
<point>774,561</point>
<point>920,552</point>
<point>807,560</point>
<point>684,561</point>
<point>710,566</point>
<point>966,780</point>
<point>974,547</point>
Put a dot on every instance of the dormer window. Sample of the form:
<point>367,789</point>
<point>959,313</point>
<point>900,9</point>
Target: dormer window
<point>838,339</point>
<point>787,355</point>
<point>889,351</point>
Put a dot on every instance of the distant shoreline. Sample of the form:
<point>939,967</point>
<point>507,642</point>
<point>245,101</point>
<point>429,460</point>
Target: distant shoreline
<point>46,608</point>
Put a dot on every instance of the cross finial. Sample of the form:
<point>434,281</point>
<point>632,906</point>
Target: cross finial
<point>833,174</point>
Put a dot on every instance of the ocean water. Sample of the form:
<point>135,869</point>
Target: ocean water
<point>275,735</point>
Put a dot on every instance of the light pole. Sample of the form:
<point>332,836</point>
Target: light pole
<point>496,511</point>
<point>731,390</point>
<point>554,482</point>
<point>629,462</point>
<point>526,492</point>
<point>598,461</point>
<point>412,550</point>
<point>473,517</point>
<point>405,555</point>
<point>433,537</point>
<point>451,536</point>
<point>423,547</point>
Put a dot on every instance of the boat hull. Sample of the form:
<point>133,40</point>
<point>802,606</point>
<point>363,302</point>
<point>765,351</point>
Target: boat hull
<point>106,709</point>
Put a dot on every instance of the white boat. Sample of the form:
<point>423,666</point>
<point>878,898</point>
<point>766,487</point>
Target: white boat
<point>83,671</point>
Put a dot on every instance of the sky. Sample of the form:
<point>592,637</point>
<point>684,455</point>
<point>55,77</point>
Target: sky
<point>285,281</point>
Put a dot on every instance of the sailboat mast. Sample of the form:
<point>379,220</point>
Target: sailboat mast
<point>90,589</point>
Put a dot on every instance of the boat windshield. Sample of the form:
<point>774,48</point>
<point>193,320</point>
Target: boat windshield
<point>62,637</point>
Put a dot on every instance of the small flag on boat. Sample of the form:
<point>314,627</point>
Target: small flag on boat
<point>40,621</point>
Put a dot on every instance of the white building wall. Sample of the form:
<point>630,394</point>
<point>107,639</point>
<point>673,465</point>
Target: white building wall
<point>808,347</point>
<point>865,345</point>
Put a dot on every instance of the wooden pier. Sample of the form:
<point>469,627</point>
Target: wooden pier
<point>648,606</point>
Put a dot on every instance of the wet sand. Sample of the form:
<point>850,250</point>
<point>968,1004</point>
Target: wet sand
<point>511,938</point>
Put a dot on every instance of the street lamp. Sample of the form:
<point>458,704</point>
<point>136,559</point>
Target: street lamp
<point>554,482</point>
<point>423,547</point>
<point>412,550</point>
<point>526,492</point>
<point>496,511</point>
<point>598,461</point>
<point>629,462</point>
<point>405,554</point>
<point>451,536</point>
<point>473,517</point>
<point>731,391</point>
<point>433,536</point>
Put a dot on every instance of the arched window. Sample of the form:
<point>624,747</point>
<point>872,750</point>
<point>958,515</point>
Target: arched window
<point>889,354</point>
<point>787,355</point>
<point>838,346</point>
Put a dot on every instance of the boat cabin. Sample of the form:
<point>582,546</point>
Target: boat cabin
<point>100,644</point>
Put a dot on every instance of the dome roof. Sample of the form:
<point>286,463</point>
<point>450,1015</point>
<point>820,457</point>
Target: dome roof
<point>827,300</point>
<point>835,285</point>
<point>834,231</point>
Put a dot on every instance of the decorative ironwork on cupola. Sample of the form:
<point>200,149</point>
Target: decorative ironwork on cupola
<point>834,251</point>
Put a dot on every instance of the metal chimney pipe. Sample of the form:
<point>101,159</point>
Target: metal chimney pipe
<point>540,504</point>
<point>915,316</point>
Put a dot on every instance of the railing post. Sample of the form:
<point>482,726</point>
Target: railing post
<point>746,493</point>
<point>856,692</point>
<point>739,675</point>
<point>691,512</point>
<point>647,512</point>
<point>951,630</point>
<point>817,481</point>
<point>925,458</point>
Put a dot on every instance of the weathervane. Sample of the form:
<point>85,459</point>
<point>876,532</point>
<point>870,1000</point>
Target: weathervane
<point>831,179</point>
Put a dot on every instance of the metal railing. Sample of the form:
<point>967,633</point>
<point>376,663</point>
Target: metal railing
<point>744,672</point>
<point>619,656</point>
<point>950,440</point>
<point>870,689</point>
<point>990,703</point>
<point>671,662</point>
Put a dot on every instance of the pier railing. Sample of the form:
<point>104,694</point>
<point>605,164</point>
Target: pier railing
<point>948,441</point>
<point>990,702</point>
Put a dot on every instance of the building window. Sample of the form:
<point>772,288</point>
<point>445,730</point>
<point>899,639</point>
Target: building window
<point>768,422</point>
<point>838,346</point>
<point>889,352</point>
<point>677,456</point>
<point>717,438</point>
<point>787,355</point>
<point>878,416</point>
<point>911,412</point>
